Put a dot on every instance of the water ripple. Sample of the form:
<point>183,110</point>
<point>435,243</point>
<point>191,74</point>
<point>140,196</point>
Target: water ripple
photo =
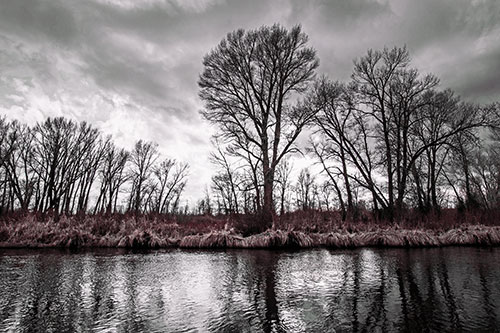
<point>449,289</point>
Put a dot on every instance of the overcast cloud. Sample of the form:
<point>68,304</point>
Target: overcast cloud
<point>131,67</point>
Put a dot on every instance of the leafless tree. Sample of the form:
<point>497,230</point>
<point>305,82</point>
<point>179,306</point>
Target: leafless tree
<point>226,183</point>
<point>306,190</point>
<point>18,164</point>
<point>428,170</point>
<point>54,166</point>
<point>142,158</point>
<point>248,85</point>
<point>89,149</point>
<point>112,176</point>
<point>8,144</point>
<point>389,122</point>
<point>61,149</point>
<point>344,139</point>
<point>170,179</point>
<point>390,92</point>
<point>283,181</point>
<point>327,196</point>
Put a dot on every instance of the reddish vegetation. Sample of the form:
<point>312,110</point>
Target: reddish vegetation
<point>299,229</point>
<point>445,219</point>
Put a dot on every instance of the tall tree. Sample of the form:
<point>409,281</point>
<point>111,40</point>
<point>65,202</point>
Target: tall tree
<point>336,123</point>
<point>306,190</point>
<point>391,103</point>
<point>248,84</point>
<point>283,179</point>
<point>60,151</point>
<point>18,164</point>
<point>112,177</point>
<point>143,157</point>
<point>170,180</point>
<point>390,92</point>
<point>226,181</point>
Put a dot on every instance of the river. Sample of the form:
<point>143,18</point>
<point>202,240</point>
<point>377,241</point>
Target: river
<point>437,289</point>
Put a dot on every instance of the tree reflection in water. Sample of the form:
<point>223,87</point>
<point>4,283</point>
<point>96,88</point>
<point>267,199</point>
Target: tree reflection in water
<point>448,289</point>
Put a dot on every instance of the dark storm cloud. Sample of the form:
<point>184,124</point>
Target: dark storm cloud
<point>39,19</point>
<point>132,66</point>
<point>460,42</point>
<point>479,77</point>
<point>455,39</point>
<point>115,70</point>
<point>340,30</point>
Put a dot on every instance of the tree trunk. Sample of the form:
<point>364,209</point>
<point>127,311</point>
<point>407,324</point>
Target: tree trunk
<point>268,206</point>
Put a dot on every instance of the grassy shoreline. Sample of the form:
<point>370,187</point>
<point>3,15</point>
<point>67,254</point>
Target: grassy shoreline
<point>470,236</point>
<point>208,232</point>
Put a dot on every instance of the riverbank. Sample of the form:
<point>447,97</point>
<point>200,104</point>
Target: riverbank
<point>213,233</point>
<point>470,235</point>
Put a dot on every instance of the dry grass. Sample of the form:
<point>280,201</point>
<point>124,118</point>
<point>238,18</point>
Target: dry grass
<point>114,231</point>
<point>474,235</point>
<point>219,239</point>
<point>218,232</point>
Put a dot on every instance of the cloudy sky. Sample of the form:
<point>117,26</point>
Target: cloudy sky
<point>130,67</point>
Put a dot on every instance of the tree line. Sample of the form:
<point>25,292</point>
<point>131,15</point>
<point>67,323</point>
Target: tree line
<point>65,167</point>
<point>388,139</point>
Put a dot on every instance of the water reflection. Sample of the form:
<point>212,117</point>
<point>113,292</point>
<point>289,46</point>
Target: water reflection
<point>449,289</point>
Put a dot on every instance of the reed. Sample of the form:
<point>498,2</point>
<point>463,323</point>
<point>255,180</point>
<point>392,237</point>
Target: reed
<point>212,240</point>
<point>130,231</point>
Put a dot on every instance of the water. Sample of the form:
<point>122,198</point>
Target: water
<point>448,289</point>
